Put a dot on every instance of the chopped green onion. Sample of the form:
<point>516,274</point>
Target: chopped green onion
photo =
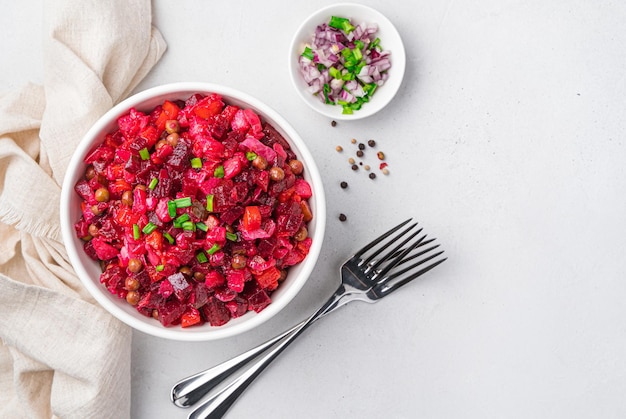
<point>159,268</point>
<point>203,227</point>
<point>196,163</point>
<point>359,44</point>
<point>321,67</point>
<point>326,91</point>
<point>341,23</point>
<point>250,155</point>
<point>356,53</point>
<point>183,202</point>
<point>178,222</point>
<point>153,183</point>
<point>149,228</point>
<point>308,53</point>
<point>136,234</point>
<point>219,172</point>
<point>171,208</point>
<point>374,43</point>
<point>231,236</point>
<point>144,154</point>
<point>201,257</point>
<point>189,226</point>
<point>209,202</point>
<point>334,73</point>
<point>213,249</point>
<point>168,237</point>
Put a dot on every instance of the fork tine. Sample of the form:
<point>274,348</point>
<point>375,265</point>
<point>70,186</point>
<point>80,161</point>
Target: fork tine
<point>420,253</point>
<point>394,258</point>
<point>392,253</point>
<point>416,264</point>
<point>388,288</point>
<point>380,238</point>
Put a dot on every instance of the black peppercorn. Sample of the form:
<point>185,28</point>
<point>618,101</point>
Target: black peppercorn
<point>343,185</point>
<point>342,217</point>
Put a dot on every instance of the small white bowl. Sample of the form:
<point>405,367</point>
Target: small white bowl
<point>89,271</point>
<point>389,39</point>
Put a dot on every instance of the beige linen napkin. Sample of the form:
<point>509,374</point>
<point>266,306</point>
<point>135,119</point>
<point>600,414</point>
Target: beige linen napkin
<point>61,354</point>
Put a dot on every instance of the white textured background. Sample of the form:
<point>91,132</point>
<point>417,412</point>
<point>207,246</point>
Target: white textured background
<point>506,141</point>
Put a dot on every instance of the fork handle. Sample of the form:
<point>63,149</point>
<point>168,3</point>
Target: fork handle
<point>218,404</point>
<point>190,390</point>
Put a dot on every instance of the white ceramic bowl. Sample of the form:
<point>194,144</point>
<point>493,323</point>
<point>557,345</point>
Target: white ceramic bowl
<point>89,271</point>
<point>389,39</point>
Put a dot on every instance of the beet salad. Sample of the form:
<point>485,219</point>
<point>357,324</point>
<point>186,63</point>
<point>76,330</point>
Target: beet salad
<point>195,211</point>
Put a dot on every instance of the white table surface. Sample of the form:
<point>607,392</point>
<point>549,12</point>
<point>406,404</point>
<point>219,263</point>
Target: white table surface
<point>506,141</point>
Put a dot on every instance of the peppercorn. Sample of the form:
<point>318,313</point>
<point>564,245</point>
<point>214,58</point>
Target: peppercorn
<point>343,185</point>
<point>371,143</point>
<point>359,153</point>
<point>372,175</point>
<point>355,167</point>
<point>351,160</point>
<point>361,146</point>
<point>333,123</point>
<point>342,217</point>
<point>339,149</point>
<point>381,155</point>
<point>353,141</point>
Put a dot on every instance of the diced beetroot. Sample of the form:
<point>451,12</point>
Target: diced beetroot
<point>161,210</point>
<point>303,189</point>
<point>235,280</point>
<point>258,299</point>
<point>215,312</point>
<point>230,216</point>
<point>132,123</point>
<point>233,166</point>
<point>257,263</point>
<point>289,218</point>
<point>255,123</point>
<point>181,286</point>
<point>237,307</point>
<point>83,189</point>
<point>103,250</point>
<point>102,154</point>
<point>225,294</point>
<point>170,312</point>
<point>214,279</point>
<point>166,289</point>
<point>240,122</point>
<point>113,278</point>
<point>219,135</point>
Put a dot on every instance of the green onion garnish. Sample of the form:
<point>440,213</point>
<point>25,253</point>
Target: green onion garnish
<point>136,234</point>
<point>153,183</point>
<point>168,237</point>
<point>196,163</point>
<point>209,202</point>
<point>250,155</point>
<point>189,226</point>
<point>341,23</point>
<point>213,249</point>
<point>308,53</point>
<point>144,154</point>
<point>203,227</point>
<point>178,222</point>
<point>231,236</point>
<point>159,268</point>
<point>171,208</point>
<point>201,257</point>
<point>219,172</point>
<point>183,202</point>
<point>149,228</point>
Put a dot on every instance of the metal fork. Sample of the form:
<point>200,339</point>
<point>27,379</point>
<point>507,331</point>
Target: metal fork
<point>367,276</point>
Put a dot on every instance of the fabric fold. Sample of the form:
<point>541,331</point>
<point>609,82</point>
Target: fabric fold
<point>61,354</point>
